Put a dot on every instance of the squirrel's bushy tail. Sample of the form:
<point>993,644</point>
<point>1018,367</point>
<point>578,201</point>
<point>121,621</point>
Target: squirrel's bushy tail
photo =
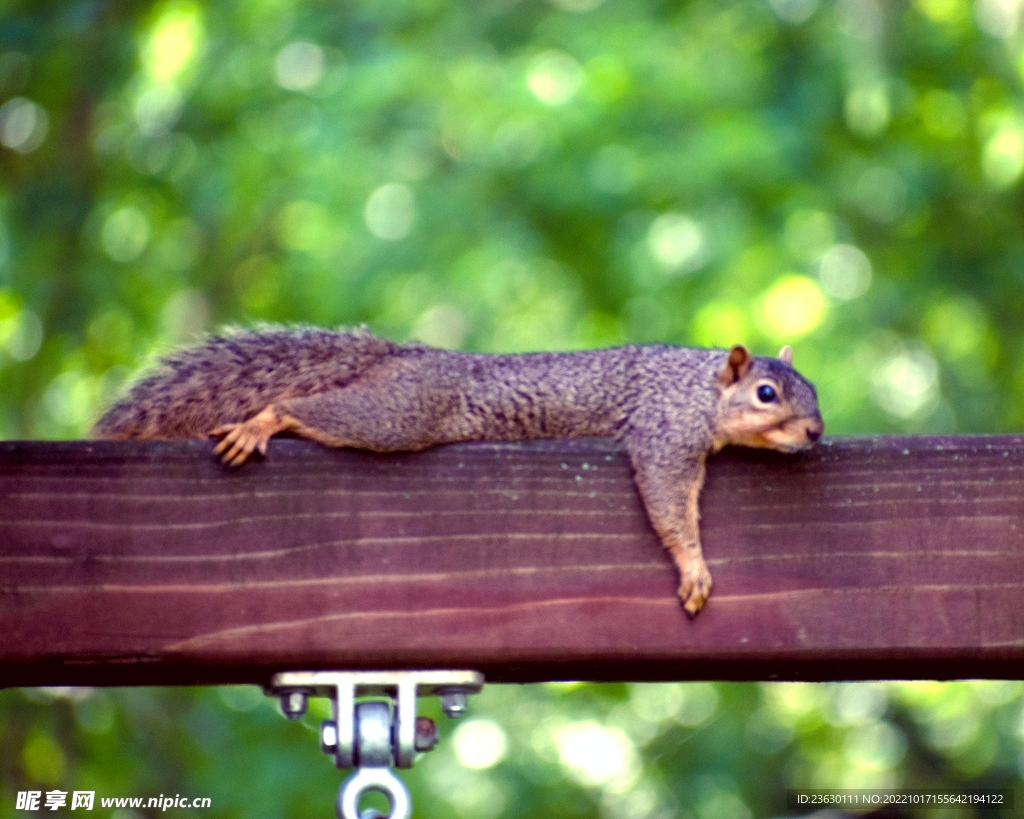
<point>230,377</point>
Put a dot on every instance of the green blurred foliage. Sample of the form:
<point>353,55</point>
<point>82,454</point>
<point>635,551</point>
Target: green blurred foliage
<point>513,175</point>
<point>505,175</point>
<point>637,751</point>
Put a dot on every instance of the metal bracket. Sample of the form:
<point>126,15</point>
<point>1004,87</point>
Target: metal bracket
<point>382,731</point>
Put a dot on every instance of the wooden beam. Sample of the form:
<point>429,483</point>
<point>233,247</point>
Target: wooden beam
<point>150,563</point>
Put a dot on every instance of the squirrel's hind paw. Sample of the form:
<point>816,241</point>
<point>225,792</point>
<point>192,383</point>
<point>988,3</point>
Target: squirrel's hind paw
<point>240,440</point>
<point>695,587</point>
<point>238,444</point>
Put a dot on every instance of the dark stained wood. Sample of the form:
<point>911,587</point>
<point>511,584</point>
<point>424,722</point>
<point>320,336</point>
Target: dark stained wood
<point>150,563</point>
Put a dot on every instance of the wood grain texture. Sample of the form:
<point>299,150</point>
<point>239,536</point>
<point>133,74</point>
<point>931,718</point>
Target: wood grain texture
<point>150,563</point>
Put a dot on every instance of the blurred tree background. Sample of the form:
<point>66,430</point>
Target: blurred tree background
<point>515,175</point>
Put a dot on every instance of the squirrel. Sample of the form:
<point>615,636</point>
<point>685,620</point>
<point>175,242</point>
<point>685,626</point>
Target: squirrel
<point>670,407</point>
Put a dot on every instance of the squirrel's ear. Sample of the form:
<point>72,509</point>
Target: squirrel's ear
<point>786,355</point>
<point>736,366</point>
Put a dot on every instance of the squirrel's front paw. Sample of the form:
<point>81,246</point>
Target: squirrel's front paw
<point>239,440</point>
<point>695,586</point>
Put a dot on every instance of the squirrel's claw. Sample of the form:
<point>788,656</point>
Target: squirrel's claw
<point>231,448</point>
<point>239,440</point>
<point>695,587</point>
<point>238,443</point>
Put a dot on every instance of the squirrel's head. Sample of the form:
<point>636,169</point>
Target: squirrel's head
<point>765,403</point>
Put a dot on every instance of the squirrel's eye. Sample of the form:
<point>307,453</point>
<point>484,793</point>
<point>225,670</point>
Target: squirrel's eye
<point>766,394</point>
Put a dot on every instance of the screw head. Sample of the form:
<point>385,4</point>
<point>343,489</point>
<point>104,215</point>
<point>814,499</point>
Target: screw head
<point>293,704</point>
<point>453,703</point>
<point>329,736</point>
<point>426,734</point>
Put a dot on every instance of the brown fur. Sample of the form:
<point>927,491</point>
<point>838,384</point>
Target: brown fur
<point>669,406</point>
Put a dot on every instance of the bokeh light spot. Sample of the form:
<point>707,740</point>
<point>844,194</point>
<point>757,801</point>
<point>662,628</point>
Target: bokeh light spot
<point>71,400</point>
<point>42,758</point>
<point>158,108</point>
<point>1002,158</point>
<point>479,743</point>
<point>794,12</point>
<point>595,754</point>
<point>173,42</point>
<point>845,272</point>
<point>299,66</point>
<point>390,211</point>
<point>906,383</point>
<point>867,109</point>
<point>958,328</point>
<point>125,234</point>
<point>998,18</point>
<point>677,242</point>
<point>441,325</point>
<point>21,335</point>
<point>793,307</point>
<point>23,125</point>
<point>303,226</point>
<point>942,11</point>
<point>554,77</point>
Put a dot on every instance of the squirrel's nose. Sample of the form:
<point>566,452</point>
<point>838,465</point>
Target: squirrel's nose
<point>814,433</point>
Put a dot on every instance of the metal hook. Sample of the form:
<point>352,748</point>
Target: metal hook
<point>372,735</point>
<point>381,780</point>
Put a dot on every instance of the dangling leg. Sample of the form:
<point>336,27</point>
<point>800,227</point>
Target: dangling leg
<point>670,488</point>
